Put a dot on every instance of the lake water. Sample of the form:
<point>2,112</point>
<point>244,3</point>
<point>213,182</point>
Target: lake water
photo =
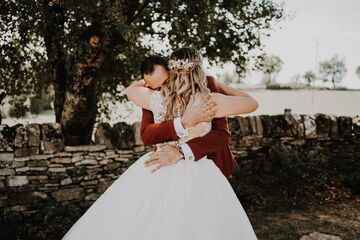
<point>270,102</point>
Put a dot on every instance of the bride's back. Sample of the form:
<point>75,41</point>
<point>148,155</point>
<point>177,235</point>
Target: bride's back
<point>158,107</point>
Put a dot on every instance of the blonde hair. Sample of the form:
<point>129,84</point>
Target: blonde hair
<point>183,81</point>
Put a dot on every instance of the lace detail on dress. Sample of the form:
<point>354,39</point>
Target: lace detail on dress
<point>157,107</point>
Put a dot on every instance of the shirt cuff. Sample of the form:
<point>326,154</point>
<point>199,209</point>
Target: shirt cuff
<point>188,154</point>
<point>179,129</point>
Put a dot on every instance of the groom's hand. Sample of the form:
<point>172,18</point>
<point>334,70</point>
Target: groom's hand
<point>167,155</point>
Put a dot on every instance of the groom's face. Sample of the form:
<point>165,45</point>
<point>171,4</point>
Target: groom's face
<point>157,77</point>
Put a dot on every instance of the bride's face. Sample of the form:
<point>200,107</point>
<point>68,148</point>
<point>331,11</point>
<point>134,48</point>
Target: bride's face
<point>157,77</point>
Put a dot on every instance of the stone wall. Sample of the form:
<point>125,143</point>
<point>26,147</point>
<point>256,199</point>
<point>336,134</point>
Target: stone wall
<point>41,178</point>
<point>252,137</point>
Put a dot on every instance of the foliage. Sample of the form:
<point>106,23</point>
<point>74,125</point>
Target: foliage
<point>18,109</point>
<point>333,70</point>
<point>310,77</point>
<point>36,33</point>
<point>228,78</point>
<point>352,180</point>
<point>276,86</point>
<point>358,71</point>
<point>299,162</point>
<point>270,66</point>
<point>41,103</point>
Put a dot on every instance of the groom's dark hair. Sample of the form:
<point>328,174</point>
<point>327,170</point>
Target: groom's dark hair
<point>147,66</point>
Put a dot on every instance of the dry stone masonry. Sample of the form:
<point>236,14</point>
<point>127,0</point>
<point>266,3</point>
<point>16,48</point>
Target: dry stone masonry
<point>41,178</point>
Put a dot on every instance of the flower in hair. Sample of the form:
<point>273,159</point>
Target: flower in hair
<point>181,65</point>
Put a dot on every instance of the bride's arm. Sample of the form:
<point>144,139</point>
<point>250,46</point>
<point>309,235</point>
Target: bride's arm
<point>139,94</point>
<point>227,90</point>
<point>233,105</point>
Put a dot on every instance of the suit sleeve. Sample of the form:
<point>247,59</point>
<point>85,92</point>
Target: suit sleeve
<point>154,133</point>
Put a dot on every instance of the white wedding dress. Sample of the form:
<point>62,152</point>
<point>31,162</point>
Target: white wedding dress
<point>190,200</point>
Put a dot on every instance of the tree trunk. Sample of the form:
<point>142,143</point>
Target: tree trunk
<point>80,103</point>
<point>54,27</point>
<point>75,90</point>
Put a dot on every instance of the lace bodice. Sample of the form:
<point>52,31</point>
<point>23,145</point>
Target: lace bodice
<point>159,111</point>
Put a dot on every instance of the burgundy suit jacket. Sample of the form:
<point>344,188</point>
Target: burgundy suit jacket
<point>215,144</point>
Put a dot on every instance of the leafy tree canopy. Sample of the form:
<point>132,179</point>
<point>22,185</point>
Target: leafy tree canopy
<point>333,70</point>
<point>33,34</point>
<point>84,49</point>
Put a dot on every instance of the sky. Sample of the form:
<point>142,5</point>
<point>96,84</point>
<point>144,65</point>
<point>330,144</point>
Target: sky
<point>317,30</point>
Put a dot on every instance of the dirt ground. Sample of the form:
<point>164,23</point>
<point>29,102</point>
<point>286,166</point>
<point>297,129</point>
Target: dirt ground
<point>340,219</point>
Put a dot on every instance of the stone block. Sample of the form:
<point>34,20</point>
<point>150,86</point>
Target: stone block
<point>356,125</point>
<point>41,156</point>
<point>33,131</point>
<point>62,154</point>
<point>233,123</point>
<point>66,181</point>
<point>6,171</point>
<point>323,124</point>
<point>92,197</point>
<point>267,123</point>
<point>62,160</point>
<point>39,178</point>
<point>137,134</point>
<point>319,236</point>
<point>86,162</point>
<point>333,125</point>
<point>139,148</point>
<point>71,194</point>
<point>27,151</point>
<point>106,135</point>
<point>52,137</point>
<point>245,126</point>
<point>310,126</point>
<point>21,137</point>
<point>344,125</point>
<point>7,137</point>
<point>27,197</point>
<point>22,169</point>
<point>37,163</point>
<point>22,159</point>
<point>125,135</point>
<point>85,148</point>
<point>77,158</point>
<point>293,125</point>
<point>15,181</point>
<point>7,157</point>
<point>57,169</point>
<point>37,169</point>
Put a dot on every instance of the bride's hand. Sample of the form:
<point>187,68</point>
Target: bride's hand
<point>200,108</point>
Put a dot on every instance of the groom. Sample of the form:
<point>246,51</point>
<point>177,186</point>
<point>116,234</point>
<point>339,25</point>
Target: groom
<point>215,144</point>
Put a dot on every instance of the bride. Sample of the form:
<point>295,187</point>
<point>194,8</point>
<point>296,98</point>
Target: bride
<point>188,200</point>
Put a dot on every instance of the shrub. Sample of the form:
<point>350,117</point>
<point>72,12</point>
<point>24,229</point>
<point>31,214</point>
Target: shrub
<point>36,105</point>
<point>276,86</point>
<point>18,108</point>
<point>308,165</point>
<point>40,103</point>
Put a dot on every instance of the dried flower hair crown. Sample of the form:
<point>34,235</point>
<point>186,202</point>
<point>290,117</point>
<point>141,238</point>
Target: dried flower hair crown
<point>181,65</point>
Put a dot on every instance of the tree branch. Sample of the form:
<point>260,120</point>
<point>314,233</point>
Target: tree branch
<point>138,12</point>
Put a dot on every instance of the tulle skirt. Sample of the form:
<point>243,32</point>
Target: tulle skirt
<point>190,200</point>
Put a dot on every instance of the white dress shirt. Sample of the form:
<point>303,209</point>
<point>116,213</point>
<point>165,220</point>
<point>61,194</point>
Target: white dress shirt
<point>182,132</point>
